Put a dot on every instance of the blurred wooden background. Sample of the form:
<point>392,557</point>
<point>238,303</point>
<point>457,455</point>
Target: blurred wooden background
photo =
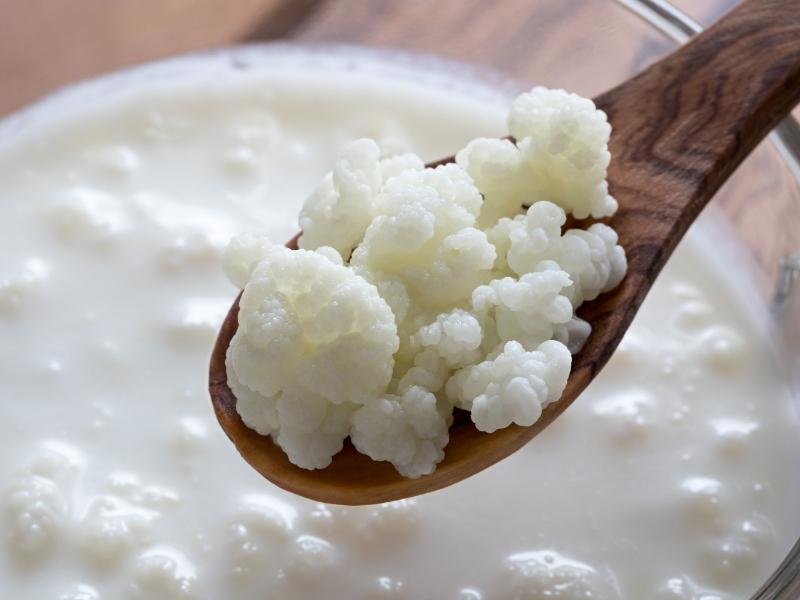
<point>45,44</point>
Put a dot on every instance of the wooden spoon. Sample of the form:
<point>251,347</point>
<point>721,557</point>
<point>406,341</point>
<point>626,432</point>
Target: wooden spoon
<point>681,127</point>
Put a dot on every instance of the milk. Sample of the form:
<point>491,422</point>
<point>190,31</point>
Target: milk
<point>672,477</point>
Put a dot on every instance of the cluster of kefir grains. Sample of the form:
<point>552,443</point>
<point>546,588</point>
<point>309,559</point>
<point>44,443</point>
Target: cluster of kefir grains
<point>417,290</point>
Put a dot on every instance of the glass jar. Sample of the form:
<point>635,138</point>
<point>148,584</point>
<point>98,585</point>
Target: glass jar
<point>761,202</point>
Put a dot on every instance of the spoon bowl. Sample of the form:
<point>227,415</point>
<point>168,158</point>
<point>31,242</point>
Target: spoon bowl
<point>680,128</point>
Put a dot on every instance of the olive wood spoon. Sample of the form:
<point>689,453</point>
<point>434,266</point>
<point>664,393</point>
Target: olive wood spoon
<point>680,128</point>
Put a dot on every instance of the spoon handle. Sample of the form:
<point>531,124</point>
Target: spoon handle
<point>680,128</point>
<point>683,125</point>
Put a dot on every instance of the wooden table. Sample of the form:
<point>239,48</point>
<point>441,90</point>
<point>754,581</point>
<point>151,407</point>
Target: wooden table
<point>47,43</point>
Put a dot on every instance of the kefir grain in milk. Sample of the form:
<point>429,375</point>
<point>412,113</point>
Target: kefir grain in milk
<point>671,478</point>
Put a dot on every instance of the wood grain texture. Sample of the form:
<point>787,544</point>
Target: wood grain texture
<point>681,127</point>
<point>47,43</point>
<point>521,39</point>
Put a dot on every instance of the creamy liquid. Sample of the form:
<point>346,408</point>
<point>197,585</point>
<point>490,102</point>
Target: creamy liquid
<point>673,476</point>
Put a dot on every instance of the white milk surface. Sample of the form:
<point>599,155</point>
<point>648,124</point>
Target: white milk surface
<point>673,477</point>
